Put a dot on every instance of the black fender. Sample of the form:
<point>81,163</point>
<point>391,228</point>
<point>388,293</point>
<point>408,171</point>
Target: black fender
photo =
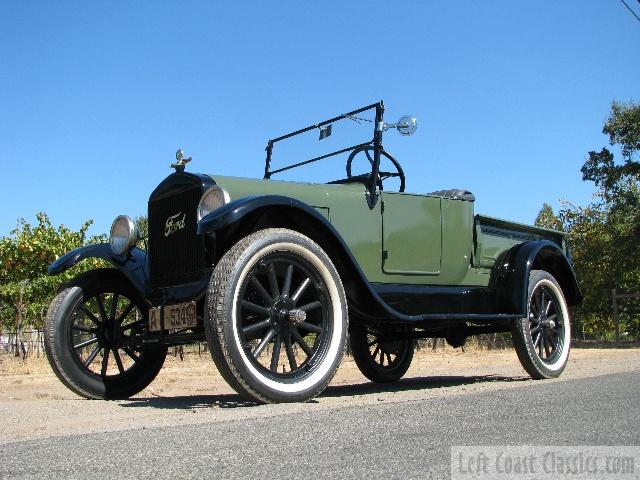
<point>133,265</point>
<point>510,279</point>
<point>235,211</point>
<point>308,221</point>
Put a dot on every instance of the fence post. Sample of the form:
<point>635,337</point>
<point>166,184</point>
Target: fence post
<point>616,315</point>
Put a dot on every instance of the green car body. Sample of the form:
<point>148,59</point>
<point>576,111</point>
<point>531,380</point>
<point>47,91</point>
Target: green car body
<point>407,238</point>
<point>431,241</point>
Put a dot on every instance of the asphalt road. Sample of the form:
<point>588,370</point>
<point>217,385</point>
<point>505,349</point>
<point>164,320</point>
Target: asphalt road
<point>399,439</point>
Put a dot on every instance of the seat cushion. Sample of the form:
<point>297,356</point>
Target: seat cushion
<point>455,194</point>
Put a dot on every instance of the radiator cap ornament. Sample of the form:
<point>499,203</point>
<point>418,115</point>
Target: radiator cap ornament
<point>181,161</point>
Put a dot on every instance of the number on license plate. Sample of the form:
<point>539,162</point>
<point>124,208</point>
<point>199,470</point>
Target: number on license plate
<point>181,315</point>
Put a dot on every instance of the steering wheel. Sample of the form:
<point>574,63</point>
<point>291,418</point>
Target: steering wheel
<point>381,175</point>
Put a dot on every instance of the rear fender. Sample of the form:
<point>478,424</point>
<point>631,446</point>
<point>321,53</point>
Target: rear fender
<point>510,278</point>
<point>133,265</point>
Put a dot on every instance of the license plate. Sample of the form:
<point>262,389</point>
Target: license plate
<point>182,315</point>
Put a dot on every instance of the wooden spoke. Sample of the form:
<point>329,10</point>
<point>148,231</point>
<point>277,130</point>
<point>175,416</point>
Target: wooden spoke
<point>131,325</point>
<point>91,316</point>
<point>263,344</point>
<point>103,312</point>
<point>92,356</point>
<point>277,345</point>
<point>131,354</point>
<point>290,355</point>
<point>309,327</point>
<point>298,293</point>
<point>125,312</point>
<point>256,327</point>
<point>85,343</point>
<point>82,328</point>
<point>261,290</point>
<point>252,307</point>
<point>286,288</point>
<point>105,362</point>
<point>273,281</point>
<point>116,355</point>
<point>310,306</point>
<point>114,306</point>
<point>298,338</point>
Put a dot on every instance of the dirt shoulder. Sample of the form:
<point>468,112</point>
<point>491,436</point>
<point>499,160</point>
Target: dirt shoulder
<point>34,404</point>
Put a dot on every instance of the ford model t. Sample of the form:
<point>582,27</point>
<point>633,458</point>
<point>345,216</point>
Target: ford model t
<point>275,275</point>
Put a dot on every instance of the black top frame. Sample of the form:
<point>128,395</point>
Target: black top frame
<point>376,142</point>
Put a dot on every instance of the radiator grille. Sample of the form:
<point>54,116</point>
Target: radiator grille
<point>176,250</point>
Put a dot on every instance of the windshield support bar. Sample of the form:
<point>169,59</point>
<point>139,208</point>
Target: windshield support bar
<point>322,157</point>
<point>377,139</point>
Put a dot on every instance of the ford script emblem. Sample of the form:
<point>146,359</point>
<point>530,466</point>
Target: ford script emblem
<point>174,223</point>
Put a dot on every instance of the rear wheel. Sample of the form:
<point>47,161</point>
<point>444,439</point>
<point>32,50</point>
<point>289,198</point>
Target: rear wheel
<point>90,336</point>
<point>276,317</point>
<point>542,340</point>
<point>380,357</point>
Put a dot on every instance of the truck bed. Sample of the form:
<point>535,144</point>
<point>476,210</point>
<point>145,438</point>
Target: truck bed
<point>494,236</point>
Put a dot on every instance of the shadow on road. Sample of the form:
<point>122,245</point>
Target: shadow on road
<point>408,384</point>
<point>236,401</point>
<point>598,345</point>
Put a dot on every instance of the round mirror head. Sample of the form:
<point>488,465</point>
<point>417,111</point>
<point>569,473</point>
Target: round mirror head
<point>407,125</point>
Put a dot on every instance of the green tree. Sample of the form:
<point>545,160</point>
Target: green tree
<point>623,129</point>
<point>605,235</point>
<point>593,259</point>
<point>25,286</point>
<point>142,223</point>
<point>547,219</point>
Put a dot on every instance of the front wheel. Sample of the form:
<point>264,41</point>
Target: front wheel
<point>91,337</point>
<point>542,339</point>
<point>276,317</point>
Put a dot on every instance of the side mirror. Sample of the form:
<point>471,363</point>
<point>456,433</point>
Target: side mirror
<point>407,125</point>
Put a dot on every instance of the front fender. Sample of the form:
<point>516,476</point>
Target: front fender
<point>236,210</point>
<point>133,265</point>
<point>511,277</point>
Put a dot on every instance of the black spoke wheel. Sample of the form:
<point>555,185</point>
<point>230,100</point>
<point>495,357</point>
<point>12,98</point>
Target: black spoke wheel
<point>290,315</point>
<point>542,340</point>
<point>276,317</point>
<point>379,355</point>
<point>92,337</point>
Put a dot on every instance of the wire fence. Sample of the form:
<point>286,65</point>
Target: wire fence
<point>30,343</point>
<point>25,344</point>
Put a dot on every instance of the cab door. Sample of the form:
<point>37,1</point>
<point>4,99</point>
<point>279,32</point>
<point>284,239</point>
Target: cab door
<point>411,234</point>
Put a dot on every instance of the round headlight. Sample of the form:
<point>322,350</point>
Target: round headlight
<point>213,198</point>
<point>124,235</point>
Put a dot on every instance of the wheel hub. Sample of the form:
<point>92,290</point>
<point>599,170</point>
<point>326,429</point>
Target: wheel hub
<point>284,314</point>
<point>296,316</point>
<point>110,334</point>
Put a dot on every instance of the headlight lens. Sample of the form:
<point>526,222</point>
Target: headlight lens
<point>124,235</point>
<point>213,198</point>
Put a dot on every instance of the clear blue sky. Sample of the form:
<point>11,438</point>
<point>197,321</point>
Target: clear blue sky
<point>95,97</point>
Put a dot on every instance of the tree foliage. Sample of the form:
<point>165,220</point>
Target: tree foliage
<point>605,235</point>
<point>25,286</point>
<point>547,219</point>
<point>623,129</point>
<point>142,223</point>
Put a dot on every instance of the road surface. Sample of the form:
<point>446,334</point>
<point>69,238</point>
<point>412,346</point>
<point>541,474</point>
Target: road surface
<point>394,437</point>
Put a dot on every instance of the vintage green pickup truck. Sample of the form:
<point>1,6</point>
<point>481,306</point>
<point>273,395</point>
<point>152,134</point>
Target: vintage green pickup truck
<point>277,275</point>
